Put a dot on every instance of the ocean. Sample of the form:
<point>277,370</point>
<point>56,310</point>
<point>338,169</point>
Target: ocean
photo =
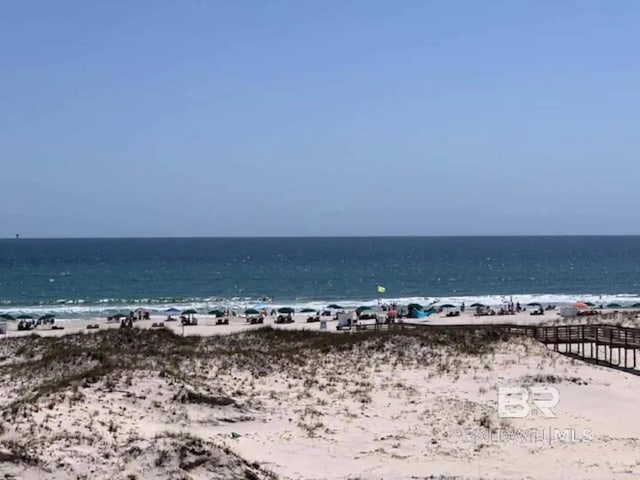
<point>74,278</point>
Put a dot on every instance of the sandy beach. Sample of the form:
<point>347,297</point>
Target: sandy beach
<point>207,323</point>
<point>241,401</point>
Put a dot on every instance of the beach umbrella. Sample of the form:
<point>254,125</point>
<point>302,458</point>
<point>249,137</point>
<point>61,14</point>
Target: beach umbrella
<point>307,310</point>
<point>46,316</point>
<point>614,305</point>
<point>533,304</point>
<point>286,310</point>
<point>218,312</point>
<point>251,311</point>
<point>589,304</point>
<point>414,306</point>
<point>474,305</point>
<point>172,310</point>
<point>635,305</point>
<point>189,311</point>
<point>7,316</point>
<point>363,308</point>
<point>24,316</point>
<point>580,305</point>
<point>447,305</point>
<point>333,306</point>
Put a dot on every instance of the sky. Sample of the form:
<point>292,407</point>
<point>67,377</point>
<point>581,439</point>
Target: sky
<point>297,118</point>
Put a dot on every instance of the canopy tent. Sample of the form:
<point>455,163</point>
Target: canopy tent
<point>421,313</point>
<point>141,313</point>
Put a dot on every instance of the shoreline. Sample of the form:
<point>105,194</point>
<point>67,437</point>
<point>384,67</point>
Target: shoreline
<point>207,323</point>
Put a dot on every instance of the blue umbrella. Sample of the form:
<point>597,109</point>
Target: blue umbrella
<point>172,310</point>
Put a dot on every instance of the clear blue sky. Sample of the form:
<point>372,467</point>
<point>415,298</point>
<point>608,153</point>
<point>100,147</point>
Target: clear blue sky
<point>213,118</point>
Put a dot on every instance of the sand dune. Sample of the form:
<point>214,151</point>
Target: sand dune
<point>296,404</point>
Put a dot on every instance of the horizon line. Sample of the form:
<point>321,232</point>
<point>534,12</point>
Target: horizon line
<point>204,237</point>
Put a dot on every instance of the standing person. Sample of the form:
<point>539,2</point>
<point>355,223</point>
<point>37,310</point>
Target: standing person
<point>462,307</point>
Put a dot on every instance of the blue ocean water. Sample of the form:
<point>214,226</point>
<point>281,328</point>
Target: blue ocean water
<point>80,277</point>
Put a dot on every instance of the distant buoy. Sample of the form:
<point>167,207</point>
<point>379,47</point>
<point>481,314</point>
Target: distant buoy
<point>17,235</point>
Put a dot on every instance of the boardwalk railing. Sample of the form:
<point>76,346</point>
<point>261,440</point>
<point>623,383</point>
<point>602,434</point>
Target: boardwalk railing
<point>604,344</point>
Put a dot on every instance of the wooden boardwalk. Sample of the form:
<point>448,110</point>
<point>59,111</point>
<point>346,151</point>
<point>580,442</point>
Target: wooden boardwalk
<point>603,344</point>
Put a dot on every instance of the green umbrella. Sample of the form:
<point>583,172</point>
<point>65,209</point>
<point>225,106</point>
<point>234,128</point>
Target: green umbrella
<point>251,311</point>
<point>474,305</point>
<point>47,316</point>
<point>447,305</point>
<point>24,316</point>
<point>333,306</point>
<point>218,312</point>
<point>286,310</point>
<point>610,305</point>
<point>589,304</point>
<point>414,306</point>
<point>533,304</point>
<point>190,311</point>
<point>363,308</point>
<point>7,316</point>
<point>307,310</point>
<point>635,305</point>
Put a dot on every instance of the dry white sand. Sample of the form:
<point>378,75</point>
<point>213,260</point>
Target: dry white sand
<point>398,407</point>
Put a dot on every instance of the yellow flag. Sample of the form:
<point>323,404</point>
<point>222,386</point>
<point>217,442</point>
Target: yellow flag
<point>381,289</point>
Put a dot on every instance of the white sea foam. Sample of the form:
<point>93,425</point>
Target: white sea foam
<point>80,308</point>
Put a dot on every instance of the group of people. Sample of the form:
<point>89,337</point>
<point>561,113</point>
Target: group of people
<point>30,324</point>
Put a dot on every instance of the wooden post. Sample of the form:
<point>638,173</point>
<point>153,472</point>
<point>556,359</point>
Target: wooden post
<point>597,347</point>
<point>611,346</point>
<point>581,340</point>
<point>626,342</point>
